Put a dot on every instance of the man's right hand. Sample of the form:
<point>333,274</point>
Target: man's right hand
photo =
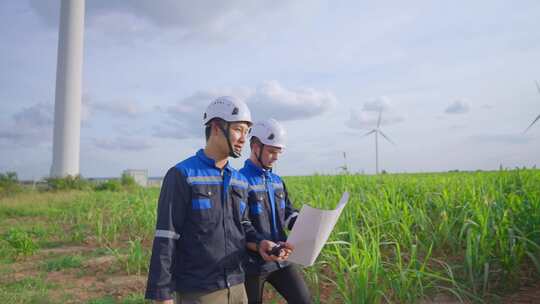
<point>266,246</point>
<point>164,302</point>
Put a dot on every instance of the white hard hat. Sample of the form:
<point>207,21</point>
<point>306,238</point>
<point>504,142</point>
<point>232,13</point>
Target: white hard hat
<point>228,109</point>
<point>269,132</point>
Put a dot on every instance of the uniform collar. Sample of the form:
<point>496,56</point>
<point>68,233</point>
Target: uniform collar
<point>209,161</point>
<point>253,167</point>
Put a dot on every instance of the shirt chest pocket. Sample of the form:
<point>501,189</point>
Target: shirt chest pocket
<point>280,199</point>
<point>256,205</point>
<point>238,200</point>
<point>202,204</point>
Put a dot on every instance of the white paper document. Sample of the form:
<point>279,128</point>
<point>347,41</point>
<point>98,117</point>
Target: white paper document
<point>311,230</point>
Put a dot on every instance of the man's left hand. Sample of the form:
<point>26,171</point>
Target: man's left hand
<point>266,246</point>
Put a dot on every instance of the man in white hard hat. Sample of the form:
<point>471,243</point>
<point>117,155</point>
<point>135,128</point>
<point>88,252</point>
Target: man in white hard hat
<point>270,212</point>
<point>202,223</point>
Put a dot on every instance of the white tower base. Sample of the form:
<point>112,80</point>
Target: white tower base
<point>67,107</point>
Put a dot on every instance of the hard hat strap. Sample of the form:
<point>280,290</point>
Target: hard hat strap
<point>259,157</point>
<point>226,133</point>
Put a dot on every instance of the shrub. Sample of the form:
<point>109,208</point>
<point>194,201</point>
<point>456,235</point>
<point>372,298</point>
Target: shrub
<point>9,184</point>
<point>128,181</point>
<point>110,185</point>
<point>21,242</point>
<point>62,262</point>
<point>68,183</point>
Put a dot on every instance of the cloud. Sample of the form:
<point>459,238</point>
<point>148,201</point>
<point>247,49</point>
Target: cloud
<point>458,127</point>
<point>36,116</point>
<point>270,99</point>
<point>174,131</point>
<point>273,100</point>
<point>514,139</point>
<point>188,19</point>
<point>122,108</point>
<point>369,115</point>
<point>117,108</point>
<point>30,126</point>
<point>457,107</point>
<point>122,143</point>
<point>381,103</point>
<point>34,124</point>
<point>488,107</point>
<point>184,119</point>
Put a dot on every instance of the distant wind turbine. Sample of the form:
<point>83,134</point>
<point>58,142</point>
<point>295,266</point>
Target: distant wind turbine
<point>344,168</point>
<point>537,117</point>
<point>378,131</point>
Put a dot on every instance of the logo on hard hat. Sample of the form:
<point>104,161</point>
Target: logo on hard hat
<point>235,111</point>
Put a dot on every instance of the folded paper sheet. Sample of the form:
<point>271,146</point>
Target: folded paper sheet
<point>311,230</point>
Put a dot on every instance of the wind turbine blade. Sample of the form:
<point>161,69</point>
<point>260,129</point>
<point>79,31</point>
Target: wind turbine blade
<point>379,120</point>
<point>538,86</point>
<point>368,133</point>
<point>386,137</point>
<point>532,123</point>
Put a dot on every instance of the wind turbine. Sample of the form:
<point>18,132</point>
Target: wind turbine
<point>344,168</point>
<point>378,131</point>
<point>537,117</point>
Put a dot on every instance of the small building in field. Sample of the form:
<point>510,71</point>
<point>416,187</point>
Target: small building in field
<point>140,176</point>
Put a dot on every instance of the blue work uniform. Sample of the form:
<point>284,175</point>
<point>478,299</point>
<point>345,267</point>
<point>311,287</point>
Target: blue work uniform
<point>201,230</point>
<point>270,212</point>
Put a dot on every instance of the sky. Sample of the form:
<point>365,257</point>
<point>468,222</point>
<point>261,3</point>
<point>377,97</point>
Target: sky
<point>454,81</point>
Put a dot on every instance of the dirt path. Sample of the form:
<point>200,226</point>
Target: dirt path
<point>97,276</point>
<point>529,294</point>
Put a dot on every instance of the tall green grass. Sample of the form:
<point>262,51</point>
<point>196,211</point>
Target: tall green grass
<point>400,239</point>
<point>404,237</point>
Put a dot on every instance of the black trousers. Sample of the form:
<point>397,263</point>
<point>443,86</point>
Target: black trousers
<point>287,281</point>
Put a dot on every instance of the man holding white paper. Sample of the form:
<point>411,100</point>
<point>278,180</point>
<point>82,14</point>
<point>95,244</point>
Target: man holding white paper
<point>270,212</point>
<point>311,231</point>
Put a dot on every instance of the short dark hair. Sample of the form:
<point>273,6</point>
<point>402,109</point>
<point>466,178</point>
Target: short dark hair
<point>254,141</point>
<point>208,128</point>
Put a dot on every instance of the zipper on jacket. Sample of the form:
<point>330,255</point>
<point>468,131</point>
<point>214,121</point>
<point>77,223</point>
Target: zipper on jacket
<point>270,191</point>
<point>224,203</point>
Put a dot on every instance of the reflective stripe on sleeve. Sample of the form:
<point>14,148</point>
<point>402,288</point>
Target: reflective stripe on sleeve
<point>277,185</point>
<point>295,214</point>
<point>238,183</point>
<point>204,179</point>
<point>257,188</point>
<point>167,234</point>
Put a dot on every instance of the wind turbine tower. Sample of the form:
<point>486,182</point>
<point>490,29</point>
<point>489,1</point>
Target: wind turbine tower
<point>344,168</point>
<point>378,131</point>
<point>67,105</point>
<point>537,117</point>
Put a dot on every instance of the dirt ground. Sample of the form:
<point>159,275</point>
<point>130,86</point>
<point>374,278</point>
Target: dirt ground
<point>97,278</point>
<point>527,294</point>
<point>93,280</point>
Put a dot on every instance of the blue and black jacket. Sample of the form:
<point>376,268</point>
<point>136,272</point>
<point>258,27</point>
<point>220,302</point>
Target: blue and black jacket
<point>270,212</point>
<point>201,231</point>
